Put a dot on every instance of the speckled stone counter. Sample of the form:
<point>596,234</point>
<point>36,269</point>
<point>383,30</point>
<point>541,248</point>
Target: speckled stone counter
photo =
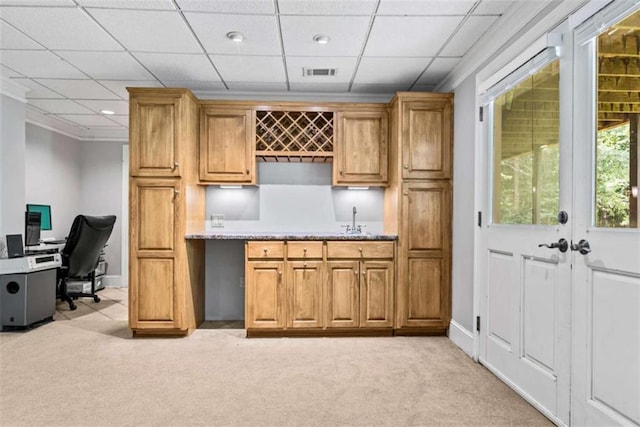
<point>284,235</point>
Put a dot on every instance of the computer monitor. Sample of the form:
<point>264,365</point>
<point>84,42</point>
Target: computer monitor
<point>31,228</point>
<point>45,215</point>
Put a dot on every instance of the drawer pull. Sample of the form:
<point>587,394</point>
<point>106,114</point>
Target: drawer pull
<point>406,166</point>
<point>265,250</point>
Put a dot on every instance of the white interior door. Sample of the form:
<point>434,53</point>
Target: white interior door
<point>606,325</point>
<point>526,288</point>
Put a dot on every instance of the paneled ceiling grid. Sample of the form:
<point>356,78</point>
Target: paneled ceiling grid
<point>77,57</point>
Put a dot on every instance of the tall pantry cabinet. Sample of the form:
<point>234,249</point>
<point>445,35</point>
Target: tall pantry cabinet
<point>418,209</point>
<point>166,272</point>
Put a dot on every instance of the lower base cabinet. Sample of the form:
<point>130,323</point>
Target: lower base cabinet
<point>319,288</point>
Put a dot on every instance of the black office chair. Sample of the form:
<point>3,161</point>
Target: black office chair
<point>81,254</point>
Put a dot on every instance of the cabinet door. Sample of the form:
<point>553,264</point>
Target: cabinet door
<point>264,295</point>
<point>426,293</point>
<point>227,145</point>
<point>304,294</point>
<point>342,295</point>
<point>361,149</point>
<point>376,294</point>
<point>154,214</point>
<point>427,139</point>
<point>154,136</point>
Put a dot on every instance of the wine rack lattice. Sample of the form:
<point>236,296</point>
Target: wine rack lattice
<point>299,133</point>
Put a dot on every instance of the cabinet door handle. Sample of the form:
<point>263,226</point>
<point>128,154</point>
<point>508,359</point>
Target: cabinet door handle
<point>248,171</point>
<point>406,166</point>
<point>265,250</point>
<point>176,165</point>
<point>406,193</point>
<point>341,172</point>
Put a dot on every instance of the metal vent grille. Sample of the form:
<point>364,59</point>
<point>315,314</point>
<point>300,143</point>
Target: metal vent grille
<point>327,72</point>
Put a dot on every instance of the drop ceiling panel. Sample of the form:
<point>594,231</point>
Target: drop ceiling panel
<point>107,65</point>
<point>347,35</point>
<point>423,88</point>
<point>468,34</point>
<point>390,70</point>
<point>118,107</point>
<point>326,7</point>
<point>344,65</point>
<point>120,86</point>
<point>8,72</point>
<point>195,85</point>
<point>37,2</point>
<point>261,35</point>
<point>59,106</point>
<point>424,7</point>
<point>173,66</point>
<point>438,70</point>
<point>228,6</point>
<point>89,120</point>
<point>128,4</point>
<point>320,87</point>
<point>409,36</point>
<point>493,7</point>
<point>73,29</point>
<point>257,87</point>
<point>40,63</point>
<point>383,88</point>
<point>36,90</point>
<point>10,38</point>
<point>266,69</point>
<point>148,31</point>
<point>79,89</point>
<point>121,120</point>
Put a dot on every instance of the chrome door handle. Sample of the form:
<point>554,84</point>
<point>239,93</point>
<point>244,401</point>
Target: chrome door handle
<point>582,246</point>
<point>561,244</point>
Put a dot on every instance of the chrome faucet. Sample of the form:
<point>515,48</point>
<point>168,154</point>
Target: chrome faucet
<point>355,211</point>
<point>353,228</point>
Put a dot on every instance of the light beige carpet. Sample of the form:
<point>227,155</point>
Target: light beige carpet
<point>84,369</point>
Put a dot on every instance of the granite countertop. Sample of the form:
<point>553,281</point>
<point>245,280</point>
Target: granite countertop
<point>287,235</point>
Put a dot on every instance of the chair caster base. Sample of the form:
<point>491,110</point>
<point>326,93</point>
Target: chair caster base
<point>96,298</point>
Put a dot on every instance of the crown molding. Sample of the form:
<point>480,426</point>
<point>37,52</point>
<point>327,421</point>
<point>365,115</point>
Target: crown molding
<point>295,96</point>
<point>13,90</point>
<point>54,124</point>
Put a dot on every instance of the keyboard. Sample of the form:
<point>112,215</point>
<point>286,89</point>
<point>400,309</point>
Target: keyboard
<point>54,242</point>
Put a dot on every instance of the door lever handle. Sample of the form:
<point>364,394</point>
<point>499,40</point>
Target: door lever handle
<point>582,246</point>
<point>561,244</point>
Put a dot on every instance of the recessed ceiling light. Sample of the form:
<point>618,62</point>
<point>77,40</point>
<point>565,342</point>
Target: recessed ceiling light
<point>107,112</point>
<point>321,39</point>
<point>235,36</point>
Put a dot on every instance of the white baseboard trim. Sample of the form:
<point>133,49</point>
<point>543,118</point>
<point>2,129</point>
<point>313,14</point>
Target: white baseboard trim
<point>112,281</point>
<point>461,337</point>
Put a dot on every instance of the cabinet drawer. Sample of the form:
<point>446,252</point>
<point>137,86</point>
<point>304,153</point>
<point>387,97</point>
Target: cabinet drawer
<point>359,249</point>
<point>304,250</point>
<point>265,250</point>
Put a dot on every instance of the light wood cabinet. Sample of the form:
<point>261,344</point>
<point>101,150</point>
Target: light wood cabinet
<point>418,209</point>
<point>227,145</point>
<point>304,294</point>
<point>166,273</point>
<point>343,294</point>
<point>360,151</point>
<point>264,299</point>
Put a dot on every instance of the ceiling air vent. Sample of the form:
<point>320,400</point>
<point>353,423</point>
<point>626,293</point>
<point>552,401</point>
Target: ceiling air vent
<point>328,72</point>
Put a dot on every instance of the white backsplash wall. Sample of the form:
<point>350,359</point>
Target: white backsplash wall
<point>295,197</point>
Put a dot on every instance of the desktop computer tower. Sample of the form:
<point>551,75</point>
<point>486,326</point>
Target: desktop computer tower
<point>27,298</point>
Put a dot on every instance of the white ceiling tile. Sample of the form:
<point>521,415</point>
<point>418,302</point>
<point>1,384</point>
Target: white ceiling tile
<point>438,70</point>
<point>409,36</point>
<point>261,35</point>
<point>345,66</point>
<point>423,88</point>
<point>148,31</point>
<point>173,66</point>
<point>494,7</point>
<point>107,65</point>
<point>8,72</point>
<point>89,120</point>
<point>59,106</point>
<point>228,6</point>
<point>468,34</point>
<point>347,35</point>
<point>373,88</point>
<point>326,7</point>
<point>390,70</point>
<point>118,107</point>
<point>424,7</point>
<point>78,89</point>
<point>195,85</point>
<point>10,38</point>
<point>265,69</point>
<point>120,119</point>
<point>36,90</point>
<point>73,29</point>
<point>120,86</point>
<point>37,3</point>
<point>129,4</point>
<point>320,87</point>
<point>40,63</point>
<point>257,87</point>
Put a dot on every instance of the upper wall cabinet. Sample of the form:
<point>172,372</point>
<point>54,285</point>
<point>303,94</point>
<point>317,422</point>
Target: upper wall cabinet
<point>155,131</point>
<point>427,138</point>
<point>227,144</point>
<point>360,152</point>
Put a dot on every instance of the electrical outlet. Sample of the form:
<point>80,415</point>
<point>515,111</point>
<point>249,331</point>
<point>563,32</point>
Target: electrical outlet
<point>242,282</point>
<point>217,220</point>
